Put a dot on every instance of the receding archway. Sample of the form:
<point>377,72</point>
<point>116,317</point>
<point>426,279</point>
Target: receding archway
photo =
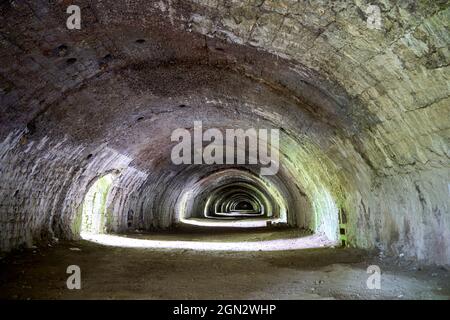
<point>94,206</point>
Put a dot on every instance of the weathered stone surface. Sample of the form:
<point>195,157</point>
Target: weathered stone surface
<point>364,112</point>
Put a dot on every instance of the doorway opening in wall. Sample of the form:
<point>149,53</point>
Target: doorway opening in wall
<point>93,218</point>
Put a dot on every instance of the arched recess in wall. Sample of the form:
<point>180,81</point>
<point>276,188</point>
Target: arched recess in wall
<point>93,212</point>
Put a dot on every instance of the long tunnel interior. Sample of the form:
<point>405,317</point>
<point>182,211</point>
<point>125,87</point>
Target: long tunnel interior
<point>351,168</point>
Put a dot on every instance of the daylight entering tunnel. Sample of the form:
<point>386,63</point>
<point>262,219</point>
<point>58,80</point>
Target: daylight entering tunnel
<point>232,195</point>
<point>94,206</point>
<point>92,118</point>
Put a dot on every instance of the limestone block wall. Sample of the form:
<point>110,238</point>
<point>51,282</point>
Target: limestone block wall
<point>43,185</point>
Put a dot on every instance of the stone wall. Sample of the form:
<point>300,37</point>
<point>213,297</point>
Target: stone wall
<point>363,112</point>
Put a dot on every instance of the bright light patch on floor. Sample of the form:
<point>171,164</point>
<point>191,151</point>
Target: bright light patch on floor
<point>244,223</point>
<point>312,241</point>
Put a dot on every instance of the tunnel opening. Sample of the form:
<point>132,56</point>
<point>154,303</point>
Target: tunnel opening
<point>94,207</point>
<point>243,205</point>
<point>224,210</point>
<point>232,197</point>
<point>236,201</point>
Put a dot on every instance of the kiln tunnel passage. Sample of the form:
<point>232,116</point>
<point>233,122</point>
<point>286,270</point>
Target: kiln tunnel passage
<point>94,205</point>
<point>253,128</point>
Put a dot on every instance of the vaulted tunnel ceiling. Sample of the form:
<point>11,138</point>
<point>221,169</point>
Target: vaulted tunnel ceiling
<point>363,113</point>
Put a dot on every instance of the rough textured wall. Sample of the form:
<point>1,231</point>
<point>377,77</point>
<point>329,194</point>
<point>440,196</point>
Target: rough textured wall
<point>364,112</point>
<point>41,183</point>
<point>400,73</point>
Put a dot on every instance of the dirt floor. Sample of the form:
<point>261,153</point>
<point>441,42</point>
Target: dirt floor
<point>144,273</point>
